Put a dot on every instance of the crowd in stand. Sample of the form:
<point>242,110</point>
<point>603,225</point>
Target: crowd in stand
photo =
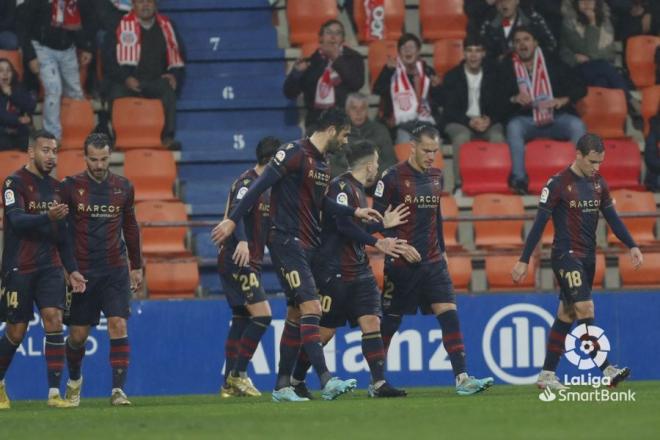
<point>526,65</point>
<point>137,47</point>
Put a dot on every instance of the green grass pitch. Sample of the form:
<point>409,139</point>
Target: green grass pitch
<point>503,412</point>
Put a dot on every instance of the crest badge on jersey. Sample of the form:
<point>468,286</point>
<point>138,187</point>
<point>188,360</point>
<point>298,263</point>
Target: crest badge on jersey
<point>544,195</point>
<point>81,192</point>
<point>9,197</point>
<point>279,156</point>
<point>241,193</point>
<point>380,189</point>
<point>342,199</point>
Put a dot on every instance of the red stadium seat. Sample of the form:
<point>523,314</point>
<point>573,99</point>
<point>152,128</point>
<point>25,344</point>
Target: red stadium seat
<point>498,273</point>
<point>640,50</point>
<point>69,163</point>
<point>158,240</point>
<point>305,19</point>
<point>498,233</point>
<point>77,117</point>
<point>394,17</point>
<point>447,54</point>
<point>172,279</point>
<point>622,167</point>
<point>544,158</point>
<point>646,276</point>
<point>442,19</point>
<point>642,228</point>
<point>138,123</point>
<point>153,173</point>
<point>460,270</point>
<point>484,167</point>
<point>379,51</point>
<point>449,208</point>
<point>650,105</point>
<point>604,112</point>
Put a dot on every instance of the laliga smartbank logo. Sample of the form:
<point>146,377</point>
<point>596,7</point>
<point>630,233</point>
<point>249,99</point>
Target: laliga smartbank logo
<point>586,347</point>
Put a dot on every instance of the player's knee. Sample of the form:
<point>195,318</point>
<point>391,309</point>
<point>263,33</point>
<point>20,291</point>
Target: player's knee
<point>16,333</point>
<point>52,320</point>
<point>293,314</point>
<point>327,334</point>
<point>311,308</point>
<point>584,309</point>
<point>117,327</point>
<point>370,324</point>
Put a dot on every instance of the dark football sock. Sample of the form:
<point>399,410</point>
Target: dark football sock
<point>555,347</point>
<point>250,340</point>
<point>374,352</point>
<point>452,339</point>
<point>289,347</point>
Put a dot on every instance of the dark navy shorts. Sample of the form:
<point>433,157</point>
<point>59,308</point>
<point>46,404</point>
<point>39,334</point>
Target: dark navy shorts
<point>293,265</point>
<point>43,287</point>
<point>343,301</point>
<point>242,286</point>
<point>412,286</point>
<point>575,277</point>
<point>109,293</point>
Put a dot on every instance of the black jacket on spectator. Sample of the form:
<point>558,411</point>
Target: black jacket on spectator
<point>498,44</point>
<point>565,83</point>
<point>153,57</point>
<point>8,15</point>
<point>456,95</point>
<point>34,23</point>
<point>652,155</point>
<point>382,88</point>
<point>13,134</point>
<point>349,66</point>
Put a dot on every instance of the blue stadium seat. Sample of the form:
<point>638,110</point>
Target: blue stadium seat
<point>231,94</point>
<point>177,5</point>
<point>223,20</point>
<point>203,44</point>
<point>204,247</point>
<point>222,173</point>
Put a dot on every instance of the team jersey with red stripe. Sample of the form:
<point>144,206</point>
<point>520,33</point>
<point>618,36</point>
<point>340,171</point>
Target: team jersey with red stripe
<point>34,248</point>
<point>420,192</point>
<point>339,253</point>
<point>575,203</point>
<point>105,230</point>
<point>296,199</point>
<point>256,223</point>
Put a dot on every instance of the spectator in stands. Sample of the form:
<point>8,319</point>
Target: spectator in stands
<point>652,155</point>
<point>362,128</point>
<point>635,17</point>
<point>110,12</point>
<point>498,35</point>
<point>16,107</point>
<point>471,101</point>
<point>8,38</point>
<point>49,33</point>
<point>409,89</point>
<point>327,77</point>
<point>539,94</point>
<point>147,62</point>
<point>478,12</point>
<point>588,44</point>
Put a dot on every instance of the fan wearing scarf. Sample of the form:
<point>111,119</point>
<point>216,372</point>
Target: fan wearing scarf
<point>538,97</point>
<point>148,61</point>
<point>50,31</point>
<point>409,89</point>
<point>327,77</point>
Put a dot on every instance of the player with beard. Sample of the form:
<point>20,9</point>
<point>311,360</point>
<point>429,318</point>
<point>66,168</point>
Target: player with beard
<point>36,245</point>
<point>299,175</point>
